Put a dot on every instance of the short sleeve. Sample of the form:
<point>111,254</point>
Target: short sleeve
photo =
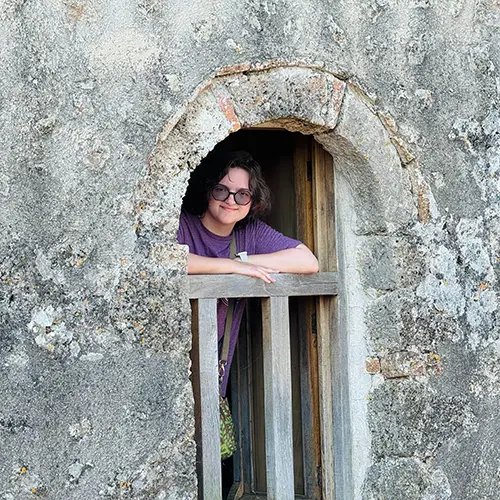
<point>181,237</point>
<point>268,240</point>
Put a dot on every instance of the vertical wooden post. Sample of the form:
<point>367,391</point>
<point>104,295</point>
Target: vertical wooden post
<point>306,177</point>
<point>325,246</point>
<point>278,398</point>
<point>205,359</point>
<point>244,389</point>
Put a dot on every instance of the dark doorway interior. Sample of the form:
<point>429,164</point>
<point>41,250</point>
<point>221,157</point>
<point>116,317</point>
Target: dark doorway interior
<point>287,161</point>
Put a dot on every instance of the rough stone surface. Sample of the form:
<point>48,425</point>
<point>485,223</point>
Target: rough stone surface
<point>105,109</point>
<point>366,156</point>
<point>283,94</point>
<point>406,479</point>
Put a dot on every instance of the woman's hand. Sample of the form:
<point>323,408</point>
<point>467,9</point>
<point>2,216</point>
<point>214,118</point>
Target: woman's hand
<point>248,269</point>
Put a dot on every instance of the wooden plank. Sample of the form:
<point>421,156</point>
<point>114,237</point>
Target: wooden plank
<point>208,399</point>
<point>204,286</point>
<point>278,398</point>
<point>294,306</point>
<point>259,479</point>
<point>243,389</point>
<point>325,245</point>
<point>310,397</point>
<point>252,496</point>
<point>303,190</point>
<point>306,321</point>
<point>324,208</point>
<point>281,180</point>
<point>195,378</point>
<point>326,308</point>
<point>236,404</point>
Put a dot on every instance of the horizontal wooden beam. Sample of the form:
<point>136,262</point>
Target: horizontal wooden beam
<point>213,286</point>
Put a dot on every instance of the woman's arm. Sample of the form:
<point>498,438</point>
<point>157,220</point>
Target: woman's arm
<point>293,260</point>
<point>216,265</point>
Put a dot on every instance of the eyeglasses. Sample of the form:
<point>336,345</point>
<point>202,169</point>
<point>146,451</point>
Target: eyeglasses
<point>222,193</point>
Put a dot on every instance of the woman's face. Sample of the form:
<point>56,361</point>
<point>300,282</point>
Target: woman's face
<point>221,216</point>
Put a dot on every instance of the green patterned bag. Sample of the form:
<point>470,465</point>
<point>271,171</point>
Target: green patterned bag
<point>227,436</point>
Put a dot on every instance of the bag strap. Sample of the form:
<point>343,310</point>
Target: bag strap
<point>229,320</point>
<point>227,332</point>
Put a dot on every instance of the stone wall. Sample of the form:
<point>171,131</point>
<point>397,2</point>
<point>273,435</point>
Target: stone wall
<point>94,369</point>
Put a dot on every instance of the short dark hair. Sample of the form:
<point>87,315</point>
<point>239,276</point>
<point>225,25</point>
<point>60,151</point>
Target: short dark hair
<point>212,169</point>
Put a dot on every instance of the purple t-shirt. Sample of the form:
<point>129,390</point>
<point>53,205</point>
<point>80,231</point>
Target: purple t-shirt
<point>256,237</point>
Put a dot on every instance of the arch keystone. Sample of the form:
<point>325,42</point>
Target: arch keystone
<point>303,94</point>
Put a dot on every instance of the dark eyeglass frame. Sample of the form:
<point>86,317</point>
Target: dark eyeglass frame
<point>229,193</point>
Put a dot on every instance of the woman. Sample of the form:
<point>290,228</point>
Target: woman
<point>226,196</point>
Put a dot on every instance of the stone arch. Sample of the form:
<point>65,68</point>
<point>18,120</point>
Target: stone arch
<point>374,200</point>
<point>307,100</point>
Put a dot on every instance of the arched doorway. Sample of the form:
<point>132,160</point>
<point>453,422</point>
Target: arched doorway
<point>373,198</point>
<point>300,175</point>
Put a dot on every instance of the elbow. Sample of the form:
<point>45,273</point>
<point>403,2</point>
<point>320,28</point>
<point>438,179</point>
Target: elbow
<point>312,265</point>
<point>314,268</point>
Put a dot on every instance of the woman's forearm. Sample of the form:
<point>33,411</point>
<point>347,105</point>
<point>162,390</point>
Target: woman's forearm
<point>213,265</point>
<point>293,260</point>
<point>209,265</point>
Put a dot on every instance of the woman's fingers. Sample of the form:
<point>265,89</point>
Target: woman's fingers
<point>258,272</point>
<point>262,273</point>
<point>266,276</point>
<point>269,270</point>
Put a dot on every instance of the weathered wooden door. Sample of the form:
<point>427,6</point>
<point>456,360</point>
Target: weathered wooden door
<point>300,175</point>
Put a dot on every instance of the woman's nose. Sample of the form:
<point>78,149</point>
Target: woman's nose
<point>231,199</point>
